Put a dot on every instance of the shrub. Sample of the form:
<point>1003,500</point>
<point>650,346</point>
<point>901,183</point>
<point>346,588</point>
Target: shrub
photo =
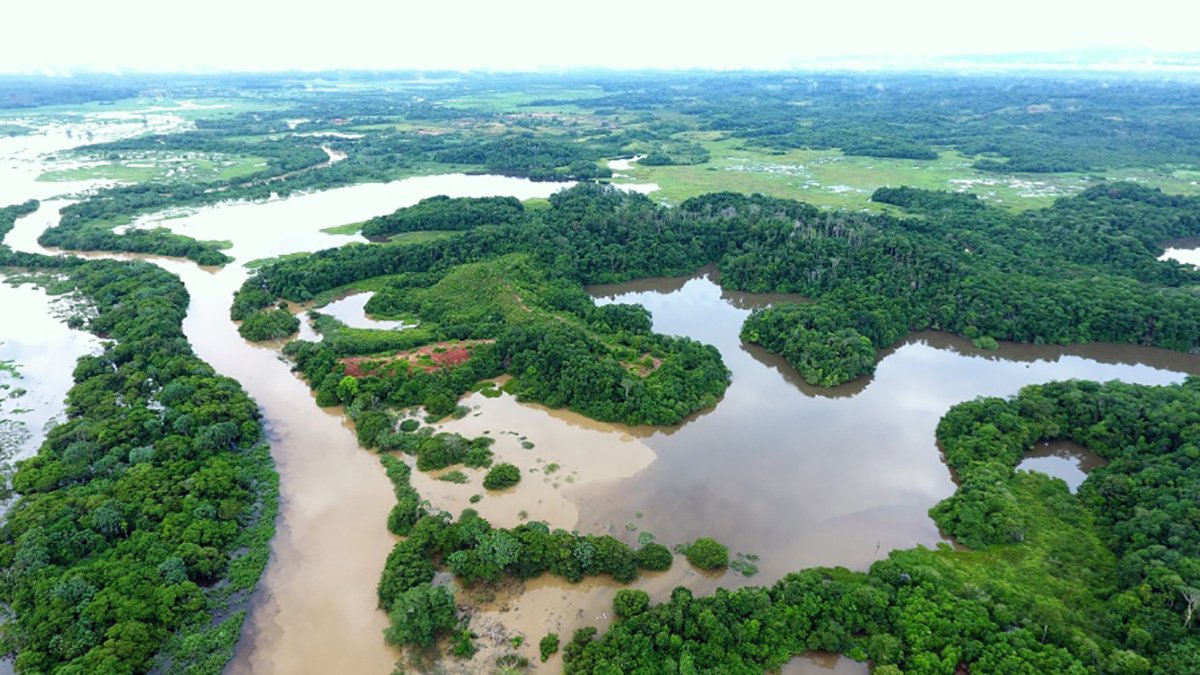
<point>707,554</point>
<point>548,645</point>
<point>654,557</point>
<point>269,325</point>
<point>629,602</point>
<point>419,614</point>
<point>502,476</point>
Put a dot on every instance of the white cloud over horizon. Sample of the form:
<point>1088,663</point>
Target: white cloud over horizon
<point>526,34</point>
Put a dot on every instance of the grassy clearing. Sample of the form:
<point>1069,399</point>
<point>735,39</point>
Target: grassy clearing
<point>536,204</point>
<point>348,228</point>
<point>829,178</point>
<point>255,264</point>
<point>508,101</point>
<point>421,236</point>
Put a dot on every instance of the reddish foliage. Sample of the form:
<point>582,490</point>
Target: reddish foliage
<point>456,353</point>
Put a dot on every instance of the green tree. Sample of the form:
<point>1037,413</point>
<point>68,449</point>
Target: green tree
<point>420,614</point>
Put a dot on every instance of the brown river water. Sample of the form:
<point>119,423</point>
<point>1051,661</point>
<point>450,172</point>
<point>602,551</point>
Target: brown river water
<point>796,475</point>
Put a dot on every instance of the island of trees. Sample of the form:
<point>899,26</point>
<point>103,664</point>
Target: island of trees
<point>145,519</point>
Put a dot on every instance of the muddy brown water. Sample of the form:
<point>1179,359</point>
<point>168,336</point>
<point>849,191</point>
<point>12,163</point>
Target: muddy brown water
<point>807,476</point>
<point>315,610</point>
<point>797,475</point>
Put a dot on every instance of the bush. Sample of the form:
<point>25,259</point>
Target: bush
<point>502,476</point>
<point>439,404</point>
<point>707,554</point>
<point>409,425</point>
<point>986,342</point>
<point>654,557</point>
<point>269,325</point>
<point>548,645</point>
<point>629,603</point>
<point>419,614</point>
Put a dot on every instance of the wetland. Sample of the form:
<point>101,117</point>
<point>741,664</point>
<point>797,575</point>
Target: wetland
<point>786,473</point>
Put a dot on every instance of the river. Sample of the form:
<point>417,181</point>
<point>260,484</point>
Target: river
<point>315,610</point>
<point>796,475</point>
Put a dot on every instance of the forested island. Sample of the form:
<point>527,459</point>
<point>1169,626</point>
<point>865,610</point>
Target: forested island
<point>143,524</point>
<point>145,519</point>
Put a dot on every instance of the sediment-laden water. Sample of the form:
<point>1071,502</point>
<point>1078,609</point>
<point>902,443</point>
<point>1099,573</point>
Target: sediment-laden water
<point>797,475</point>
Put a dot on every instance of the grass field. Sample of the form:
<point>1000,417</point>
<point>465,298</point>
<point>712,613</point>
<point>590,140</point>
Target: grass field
<point>421,236</point>
<point>348,228</point>
<point>829,178</point>
<point>510,101</point>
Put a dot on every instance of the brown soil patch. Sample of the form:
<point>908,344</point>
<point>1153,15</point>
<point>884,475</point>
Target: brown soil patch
<point>641,370</point>
<point>452,354</point>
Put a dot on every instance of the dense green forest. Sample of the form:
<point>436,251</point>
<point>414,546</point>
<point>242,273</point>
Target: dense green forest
<point>444,213</point>
<point>145,519</point>
<point>1002,125</point>
<point>1104,581</point>
<point>561,349</point>
<point>1083,270</point>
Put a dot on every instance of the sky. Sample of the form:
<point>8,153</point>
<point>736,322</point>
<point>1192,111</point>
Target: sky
<point>267,35</point>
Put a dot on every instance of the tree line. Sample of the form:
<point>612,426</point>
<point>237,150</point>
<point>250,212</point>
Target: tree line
<point>1082,270</point>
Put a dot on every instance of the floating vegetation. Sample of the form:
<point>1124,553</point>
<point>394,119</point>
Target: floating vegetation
<point>456,476</point>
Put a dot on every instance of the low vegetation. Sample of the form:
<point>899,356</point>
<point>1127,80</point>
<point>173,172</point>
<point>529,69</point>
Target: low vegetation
<point>502,476</point>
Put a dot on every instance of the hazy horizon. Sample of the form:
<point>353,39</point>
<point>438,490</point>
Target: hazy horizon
<point>538,35</point>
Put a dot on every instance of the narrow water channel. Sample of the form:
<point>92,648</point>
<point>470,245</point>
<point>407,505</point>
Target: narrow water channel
<point>315,610</point>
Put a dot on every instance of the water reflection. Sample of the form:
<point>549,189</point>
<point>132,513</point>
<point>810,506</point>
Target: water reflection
<point>44,352</point>
<point>1062,459</point>
<point>351,310</point>
<point>823,663</point>
<point>1185,250</point>
<point>808,476</point>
